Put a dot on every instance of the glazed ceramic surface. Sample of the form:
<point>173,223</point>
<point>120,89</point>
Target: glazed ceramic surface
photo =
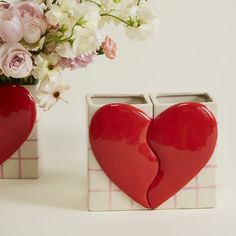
<point>200,192</point>
<point>17,117</point>
<point>118,136</point>
<point>104,194</point>
<point>124,140</point>
<point>22,149</point>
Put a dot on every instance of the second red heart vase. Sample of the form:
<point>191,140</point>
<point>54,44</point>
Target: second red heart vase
<point>17,118</point>
<point>152,159</point>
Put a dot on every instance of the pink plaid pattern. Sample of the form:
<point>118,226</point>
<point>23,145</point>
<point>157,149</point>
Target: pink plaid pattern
<point>24,164</point>
<point>105,196</point>
<point>193,189</point>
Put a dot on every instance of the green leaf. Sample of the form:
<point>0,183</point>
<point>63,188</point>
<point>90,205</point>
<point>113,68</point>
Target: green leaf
<point>23,81</point>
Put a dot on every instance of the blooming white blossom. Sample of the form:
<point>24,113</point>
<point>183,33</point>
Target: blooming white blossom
<point>50,92</point>
<point>45,66</point>
<point>44,37</point>
<point>88,15</point>
<point>85,41</point>
<point>117,4</point>
<point>56,15</point>
<point>68,6</point>
<point>116,8</point>
<point>143,22</point>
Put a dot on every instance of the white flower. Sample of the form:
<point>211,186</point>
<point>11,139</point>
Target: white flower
<point>66,50</point>
<point>88,15</point>
<point>46,65</point>
<point>116,8</point>
<point>68,6</point>
<point>56,15</point>
<point>51,91</point>
<point>117,4</point>
<point>143,23</point>
<point>85,41</point>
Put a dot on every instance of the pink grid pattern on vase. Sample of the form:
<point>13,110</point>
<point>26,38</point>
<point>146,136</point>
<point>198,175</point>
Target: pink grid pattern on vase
<point>25,162</point>
<point>105,196</point>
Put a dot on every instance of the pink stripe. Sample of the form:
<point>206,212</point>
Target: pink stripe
<point>118,190</point>
<point>32,140</point>
<point>25,158</point>
<point>103,190</point>
<point>2,172</point>
<point>110,196</point>
<point>97,169</point>
<point>19,164</point>
<point>175,201</point>
<point>197,192</point>
<point>94,169</point>
<point>131,204</point>
<point>201,187</point>
<point>211,166</point>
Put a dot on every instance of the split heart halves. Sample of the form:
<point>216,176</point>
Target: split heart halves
<point>152,159</point>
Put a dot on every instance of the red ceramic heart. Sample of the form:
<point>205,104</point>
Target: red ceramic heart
<point>17,118</point>
<point>118,136</point>
<point>124,140</point>
<point>183,138</point>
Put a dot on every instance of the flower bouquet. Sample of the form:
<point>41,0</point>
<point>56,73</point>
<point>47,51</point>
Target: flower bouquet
<point>39,39</point>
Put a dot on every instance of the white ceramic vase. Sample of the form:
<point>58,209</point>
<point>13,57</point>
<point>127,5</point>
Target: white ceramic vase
<point>103,195</point>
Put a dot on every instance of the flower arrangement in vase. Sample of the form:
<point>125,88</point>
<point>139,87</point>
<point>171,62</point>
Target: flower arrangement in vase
<point>41,38</point>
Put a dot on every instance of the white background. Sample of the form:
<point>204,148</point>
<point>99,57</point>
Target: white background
<point>194,51</point>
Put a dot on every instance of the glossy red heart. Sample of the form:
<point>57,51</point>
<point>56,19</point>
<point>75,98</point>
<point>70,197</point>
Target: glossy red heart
<point>124,140</point>
<point>183,138</point>
<point>17,118</point>
<point>118,137</point>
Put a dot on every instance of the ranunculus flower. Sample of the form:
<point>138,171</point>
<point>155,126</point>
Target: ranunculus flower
<point>34,29</point>
<point>15,61</point>
<point>4,5</point>
<point>33,20</point>
<point>11,27</point>
<point>29,9</point>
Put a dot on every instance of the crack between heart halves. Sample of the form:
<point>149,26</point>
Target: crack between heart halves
<point>158,163</point>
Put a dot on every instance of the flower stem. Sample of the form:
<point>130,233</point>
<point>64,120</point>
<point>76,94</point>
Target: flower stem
<point>116,17</point>
<point>99,5</point>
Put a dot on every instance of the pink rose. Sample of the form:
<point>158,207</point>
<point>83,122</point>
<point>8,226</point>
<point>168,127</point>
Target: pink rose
<point>11,28</point>
<point>15,61</point>
<point>4,5</point>
<point>34,29</point>
<point>33,19</point>
<point>29,9</point>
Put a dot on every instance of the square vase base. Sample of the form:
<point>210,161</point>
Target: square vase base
<point>103,195</point>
